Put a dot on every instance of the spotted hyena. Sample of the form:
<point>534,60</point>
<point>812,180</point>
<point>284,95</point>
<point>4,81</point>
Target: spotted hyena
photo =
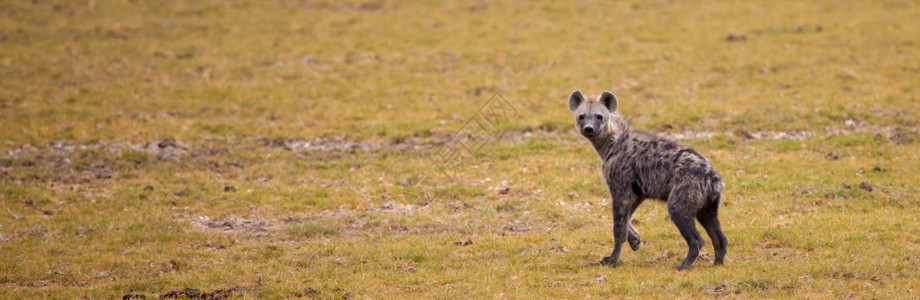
<point>639,165</point>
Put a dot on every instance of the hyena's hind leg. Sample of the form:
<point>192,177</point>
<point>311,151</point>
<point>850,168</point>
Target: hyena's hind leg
<point>682,213</point>
<point>635,241</point>
<point>709,218</point>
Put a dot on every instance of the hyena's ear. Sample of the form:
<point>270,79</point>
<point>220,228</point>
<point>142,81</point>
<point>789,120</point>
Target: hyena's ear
<point>609,100</point>
<point>575,99</point>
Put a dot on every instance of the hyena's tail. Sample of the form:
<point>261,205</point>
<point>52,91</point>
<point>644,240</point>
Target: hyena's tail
<point>710,220</point>
<point>715,197</point>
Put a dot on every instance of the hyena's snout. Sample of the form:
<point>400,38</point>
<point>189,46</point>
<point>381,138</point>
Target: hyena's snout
<point>588,128</point>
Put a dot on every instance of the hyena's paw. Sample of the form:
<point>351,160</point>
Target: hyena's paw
<point>610,261</point>
<point>635,243</point>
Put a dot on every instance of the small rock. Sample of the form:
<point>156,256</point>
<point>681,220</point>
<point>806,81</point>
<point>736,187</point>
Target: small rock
<point>705,256</point>
<point>831,156</point>
<point>462,243</point>
<point>229,189</point>
<point>723,288</point>
<point>849,123</point>
<point>477,91</point>
<point>735,37</point>
<point>866,186</point>
<point>804,191</point>
<point>601,279</point>
<point>664,255</point>
<point>133,296</point>
<point>167,143</point>
<point>186,293</point>
<point>744,135</point>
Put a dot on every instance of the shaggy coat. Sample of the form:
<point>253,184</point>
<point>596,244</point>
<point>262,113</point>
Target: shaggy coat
<point>639,165</point>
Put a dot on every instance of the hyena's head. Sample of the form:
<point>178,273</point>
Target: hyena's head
<point>595,116</point>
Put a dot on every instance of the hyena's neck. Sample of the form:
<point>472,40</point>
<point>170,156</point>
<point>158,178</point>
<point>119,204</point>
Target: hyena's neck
<point>612,140</point>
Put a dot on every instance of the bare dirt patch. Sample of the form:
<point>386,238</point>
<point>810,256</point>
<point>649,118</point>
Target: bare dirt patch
<point>352,222</point>
<point>337,143</point>
<point>517,226</point>
<point>60,153</point>
<point>724,288</point>
<point>236,225</point>
<point>390,218</point>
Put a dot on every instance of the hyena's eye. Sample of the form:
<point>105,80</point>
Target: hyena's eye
<point>581,117</point>
<point>600,117</point>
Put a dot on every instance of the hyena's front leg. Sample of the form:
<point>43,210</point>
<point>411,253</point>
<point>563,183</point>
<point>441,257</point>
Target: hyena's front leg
<point>621,208</point>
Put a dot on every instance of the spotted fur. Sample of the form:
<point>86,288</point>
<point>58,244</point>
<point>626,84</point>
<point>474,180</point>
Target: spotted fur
<point>639,165</point>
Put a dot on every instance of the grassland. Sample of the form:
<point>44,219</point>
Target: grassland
<point>280,149</point>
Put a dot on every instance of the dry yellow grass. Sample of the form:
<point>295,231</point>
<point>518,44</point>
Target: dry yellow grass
<point>281,147</point>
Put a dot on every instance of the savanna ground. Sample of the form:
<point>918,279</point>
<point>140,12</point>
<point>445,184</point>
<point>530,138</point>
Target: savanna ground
<point>283,148</point>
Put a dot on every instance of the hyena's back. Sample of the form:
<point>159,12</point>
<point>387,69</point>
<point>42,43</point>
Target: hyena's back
<point>657,168</point>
